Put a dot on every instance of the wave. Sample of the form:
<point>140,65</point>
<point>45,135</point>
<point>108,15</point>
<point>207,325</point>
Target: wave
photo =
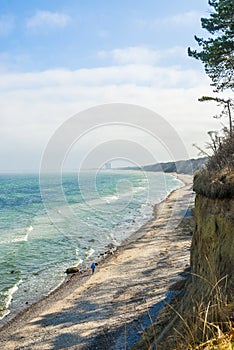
<point>139,189</point>
<point>23,238</point>
<point>20,238</point>
<point>79,261</point>
<point>109,199</point>
<point>8,299</point>
<point>89,253</point>
<point>113,198</point>
<point>11,291</point>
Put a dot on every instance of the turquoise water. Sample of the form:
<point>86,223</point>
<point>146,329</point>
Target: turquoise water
<point>46,226</point>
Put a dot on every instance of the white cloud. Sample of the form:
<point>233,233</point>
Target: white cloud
<point>186,18</point>
<point>141,55</point>
<point>137,74</point>
<point>6,24</point>
<point>133,54</point>
<point>178,20</point>
<point>47,19</point>
<point>29,118</point>
<point>34,104</point>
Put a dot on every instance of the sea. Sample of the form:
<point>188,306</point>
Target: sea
<point>48,225</point>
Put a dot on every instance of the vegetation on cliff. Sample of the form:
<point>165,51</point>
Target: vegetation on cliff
<point>216,180</point>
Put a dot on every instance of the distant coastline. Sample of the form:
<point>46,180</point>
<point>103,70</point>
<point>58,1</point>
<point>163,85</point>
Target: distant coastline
<point>180,167</point>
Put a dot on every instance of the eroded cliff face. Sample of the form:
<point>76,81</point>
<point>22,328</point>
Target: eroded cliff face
<point>209,291</point>
<point>212,250</point>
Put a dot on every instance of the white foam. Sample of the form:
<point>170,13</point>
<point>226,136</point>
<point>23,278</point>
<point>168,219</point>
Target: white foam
<point>111,235</point>
<point>89,253</point>
<point>21,239</point>
<point>79,261</point>
<point>109,199</point>
<point>4,313</point>
<point>138,189</point>
<point>10,293</point>
<point>28,230</point>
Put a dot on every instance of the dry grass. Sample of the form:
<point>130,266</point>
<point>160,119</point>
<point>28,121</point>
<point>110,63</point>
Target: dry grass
<point>209,326</point>
<point>222,341</point>
<point>214,186</point>
<point>217,179</point>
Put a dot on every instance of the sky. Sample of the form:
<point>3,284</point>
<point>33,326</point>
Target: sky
<point>60,58</point>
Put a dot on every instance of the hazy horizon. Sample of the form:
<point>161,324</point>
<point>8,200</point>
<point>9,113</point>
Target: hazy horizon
<point>58,60</point>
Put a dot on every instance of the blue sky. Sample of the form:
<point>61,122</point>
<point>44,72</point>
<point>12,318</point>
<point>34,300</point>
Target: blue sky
<point>58,58</point>
<point>39,35</point>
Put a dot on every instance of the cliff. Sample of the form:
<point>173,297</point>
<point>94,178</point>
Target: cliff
<point>212,250</point>
<point>204,309</point>
<point>181,167</point>
<point>203,312</point>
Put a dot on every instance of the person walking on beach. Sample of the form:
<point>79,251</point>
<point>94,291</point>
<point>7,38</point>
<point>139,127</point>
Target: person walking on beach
<point>93,267</point>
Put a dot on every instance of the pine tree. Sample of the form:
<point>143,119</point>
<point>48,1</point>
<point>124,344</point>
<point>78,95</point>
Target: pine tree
<point>217,52</point>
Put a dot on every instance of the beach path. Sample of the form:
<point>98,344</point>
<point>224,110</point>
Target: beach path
<point>110,309</point>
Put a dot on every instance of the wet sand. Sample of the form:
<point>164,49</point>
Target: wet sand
<point>110,309</point>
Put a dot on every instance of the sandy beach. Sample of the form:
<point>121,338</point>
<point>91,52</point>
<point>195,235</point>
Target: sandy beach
<point>110,309</point>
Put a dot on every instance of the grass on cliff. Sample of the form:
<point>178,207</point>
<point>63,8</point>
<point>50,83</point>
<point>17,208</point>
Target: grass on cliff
<point>216,180</point>
<point>216,335</point>
<point>206,323</point>
<point>216,185</point>
<point>222,342</point>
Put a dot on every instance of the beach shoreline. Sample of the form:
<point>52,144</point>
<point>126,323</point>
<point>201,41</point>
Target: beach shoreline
<point>84,270</point>
<point>78,283</point>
